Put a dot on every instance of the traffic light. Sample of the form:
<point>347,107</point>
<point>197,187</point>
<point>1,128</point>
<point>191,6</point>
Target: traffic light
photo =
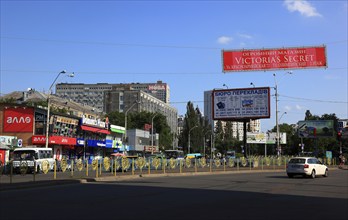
<point>339,135</point>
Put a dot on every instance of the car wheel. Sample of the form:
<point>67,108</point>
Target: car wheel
<point>313,174</point>
<point>290,175</point>
<point>326,173</point>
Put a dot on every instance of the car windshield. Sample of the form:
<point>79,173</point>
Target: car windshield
<point>297,160</point>
<point>24,155</point>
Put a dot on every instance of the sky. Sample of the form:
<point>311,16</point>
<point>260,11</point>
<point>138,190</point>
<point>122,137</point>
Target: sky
<point>179,43</point>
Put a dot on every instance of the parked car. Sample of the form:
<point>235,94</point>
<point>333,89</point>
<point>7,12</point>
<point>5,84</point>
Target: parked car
<point>306,166</point>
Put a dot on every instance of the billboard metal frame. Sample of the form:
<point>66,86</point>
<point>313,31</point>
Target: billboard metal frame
<point>241,104</point>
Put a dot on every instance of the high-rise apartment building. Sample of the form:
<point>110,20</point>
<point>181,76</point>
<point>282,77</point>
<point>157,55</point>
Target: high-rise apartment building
<point>93,94</point>
<point>153,97</point>
<point>137,101</point>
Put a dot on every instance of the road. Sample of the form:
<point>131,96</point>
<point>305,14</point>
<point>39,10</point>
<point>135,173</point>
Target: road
<point>257,195</point>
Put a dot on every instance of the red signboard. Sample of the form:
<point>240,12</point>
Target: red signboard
<point>18,119</point>
<point>270,59</point>
<point>38,139</point>
<point>59,140</point>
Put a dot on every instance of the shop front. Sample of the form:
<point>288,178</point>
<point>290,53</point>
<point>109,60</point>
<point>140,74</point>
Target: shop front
<point>92,138</point>
<point>61,146</point>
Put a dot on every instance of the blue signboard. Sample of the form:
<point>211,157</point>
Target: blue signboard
<point>95,143</point>
<point>108,143</point>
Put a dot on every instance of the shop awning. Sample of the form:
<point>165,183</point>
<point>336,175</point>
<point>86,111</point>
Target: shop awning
<point>93,129</point>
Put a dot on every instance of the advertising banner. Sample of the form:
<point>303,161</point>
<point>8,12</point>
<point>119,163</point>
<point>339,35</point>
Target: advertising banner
<point>18,120</point>
<point>265,138</point>
<point>315,128</point>
<point>248,103</point>
<point>273,59</point>
<point>57,154</point>
<point>59,140</point>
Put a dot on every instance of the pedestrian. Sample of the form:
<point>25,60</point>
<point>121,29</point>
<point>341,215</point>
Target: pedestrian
<point>343,161</point>
<point>340,161</point>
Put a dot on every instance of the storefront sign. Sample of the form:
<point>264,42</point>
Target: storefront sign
<point>18,119</point>
<point>108,143</point>
<point>59,140</point>
<point>66,120</point>
<point>95,143</point>
<point>38,139</point>
<point>62,140</point>
<point>273,59</point>
<point>93,122</point>
<point>80,142</point>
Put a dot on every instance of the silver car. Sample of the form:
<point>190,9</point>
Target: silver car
<point>306,166</point>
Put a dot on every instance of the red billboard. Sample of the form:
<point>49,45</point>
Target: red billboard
<point>271,59</point>
<point>18,119</point>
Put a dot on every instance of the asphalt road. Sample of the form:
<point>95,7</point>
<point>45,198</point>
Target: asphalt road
<point>259,195</point>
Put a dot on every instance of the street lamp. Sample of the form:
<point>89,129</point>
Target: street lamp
<point>125,122</point>
<point>277,122</point>
<point>225,85</point>
<point>280,118</point>
<point>152,130</point>
<point>49,104</point>
<point>204,141</point>
<point>252,84</point>
<point>189,137</point>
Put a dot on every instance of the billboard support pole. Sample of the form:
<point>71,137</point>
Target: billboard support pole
<point>245,137</point>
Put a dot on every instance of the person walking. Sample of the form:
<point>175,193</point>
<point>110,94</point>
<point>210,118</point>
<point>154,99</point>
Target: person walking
<point>342,160</point>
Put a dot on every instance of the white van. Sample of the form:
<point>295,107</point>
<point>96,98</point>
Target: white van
<point>28,156</point>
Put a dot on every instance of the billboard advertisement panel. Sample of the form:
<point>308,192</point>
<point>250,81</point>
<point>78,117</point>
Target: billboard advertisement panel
<point>315,128</point>
<point>274,59</point>
<point>245,103</point>
<point>18,120</point>
<point>265,138</point>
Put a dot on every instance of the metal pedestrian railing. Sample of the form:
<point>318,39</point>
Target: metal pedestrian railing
<point>122,166</point>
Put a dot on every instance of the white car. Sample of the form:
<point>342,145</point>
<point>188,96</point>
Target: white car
<point>306,166</point>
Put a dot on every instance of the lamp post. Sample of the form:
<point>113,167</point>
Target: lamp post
<point>49,104</point>
<point>280,118</point>
<point>277,122</point>
<point>125,122</point>
<point>189,138</point>
<point>225,85</point>
<point>204,141</point>
<point>152,129</point>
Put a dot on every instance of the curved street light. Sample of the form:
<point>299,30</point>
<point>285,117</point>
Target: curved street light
<point>152,129</point>
<point>125,122</point>
<point>189,138</point>
<point>49,104</point>
<point>277,121</point>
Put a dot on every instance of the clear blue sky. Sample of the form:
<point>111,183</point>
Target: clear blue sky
<point>178,42</point>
